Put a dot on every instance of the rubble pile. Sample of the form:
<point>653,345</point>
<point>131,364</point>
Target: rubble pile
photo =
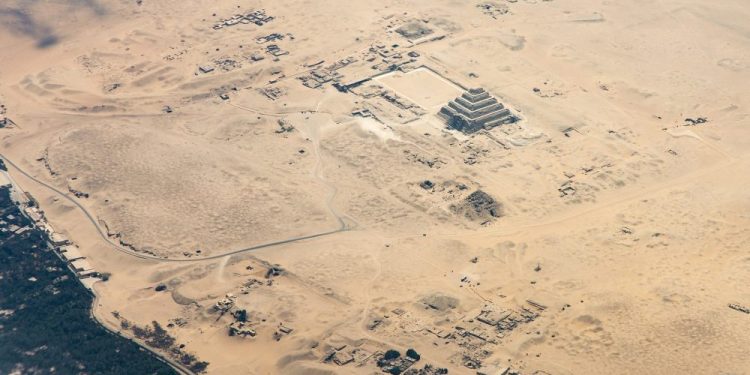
<point>281,332</point>
<point>479,205</point>
<point>274,271</point>
<point>322,75</point>
<point>414,30</point>
<point>493,9</point>
<point>225,304</point>
<point>477,336</point>
<point>284,126</point>
<point>695,121</point>
<point>226,64</point>
<point>78,193</point>
<point>432,162</point>
<point>390,58</point>
<point>343,355</point>
<point>258,17</point>
<point>740,308</point>
<point>241,329</point>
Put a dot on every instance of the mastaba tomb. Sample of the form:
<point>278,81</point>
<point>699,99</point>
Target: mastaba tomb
<point>474,110</point>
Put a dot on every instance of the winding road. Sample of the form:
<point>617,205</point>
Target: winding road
<point>343,226</point>
<point>183,370</point>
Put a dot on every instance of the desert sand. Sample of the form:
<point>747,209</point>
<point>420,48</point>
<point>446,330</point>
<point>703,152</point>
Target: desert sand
<point>314,186</point>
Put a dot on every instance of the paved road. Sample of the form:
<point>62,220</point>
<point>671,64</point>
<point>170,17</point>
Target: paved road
<point>342,227</point>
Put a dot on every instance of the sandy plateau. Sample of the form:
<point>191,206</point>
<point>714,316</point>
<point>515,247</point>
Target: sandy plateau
<point>271,182</point>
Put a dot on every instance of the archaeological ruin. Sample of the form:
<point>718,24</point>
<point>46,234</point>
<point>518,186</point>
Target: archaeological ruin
<point>474,110</point>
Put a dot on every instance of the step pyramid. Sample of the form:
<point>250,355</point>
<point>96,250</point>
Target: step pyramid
<point>474,110</point>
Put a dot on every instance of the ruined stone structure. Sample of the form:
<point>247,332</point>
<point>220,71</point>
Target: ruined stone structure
<point>479,206</point>
<point>474,110</point>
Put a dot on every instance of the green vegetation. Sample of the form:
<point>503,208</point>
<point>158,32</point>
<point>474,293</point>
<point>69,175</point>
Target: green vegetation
<point>391,354</point>
<point>157,337</point>
<point>45,313</point>
<point>241,315</point>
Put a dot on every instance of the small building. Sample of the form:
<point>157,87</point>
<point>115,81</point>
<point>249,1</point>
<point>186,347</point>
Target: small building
<point>4,181</point>
<point>81,266</point>
<point>34,214</point>
<point>275,70</point>
<point>364,112</point>
<point>32,202</point>
<point>22,230</point>
<point>46,227</point>
<point>241,329</point>
<point>70,252</point>
<point>342,358</point>
<point>206,68</point>
<point>58,239</point>
<point>493,317</point>
<point>281,332</point>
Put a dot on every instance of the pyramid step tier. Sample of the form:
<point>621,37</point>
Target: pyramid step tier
<point>475,113</point>
<point>475,105</point>
<point>475,97</point>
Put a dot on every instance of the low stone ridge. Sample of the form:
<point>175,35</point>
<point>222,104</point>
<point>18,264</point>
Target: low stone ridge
<point>474,110</point>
